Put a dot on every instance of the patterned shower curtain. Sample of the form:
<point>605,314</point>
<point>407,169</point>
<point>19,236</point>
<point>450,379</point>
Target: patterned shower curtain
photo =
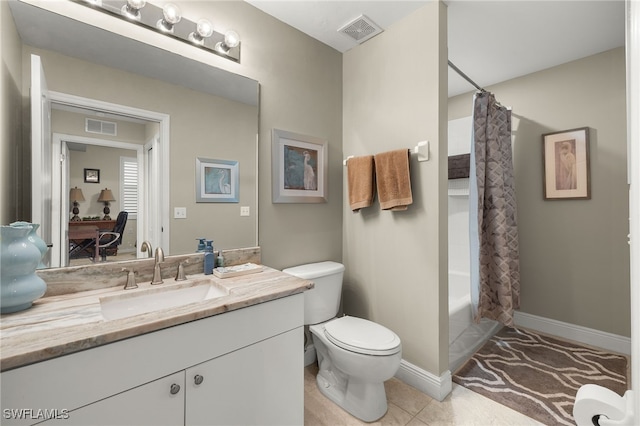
<point>495,268</point>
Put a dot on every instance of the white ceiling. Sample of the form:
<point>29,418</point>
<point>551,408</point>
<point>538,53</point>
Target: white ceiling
<point>490,41</point>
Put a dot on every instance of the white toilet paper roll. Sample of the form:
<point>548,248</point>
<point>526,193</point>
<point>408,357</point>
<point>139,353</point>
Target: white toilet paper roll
<point>593,400</point>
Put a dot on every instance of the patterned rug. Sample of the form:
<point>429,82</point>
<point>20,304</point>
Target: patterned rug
<point>539,375</point>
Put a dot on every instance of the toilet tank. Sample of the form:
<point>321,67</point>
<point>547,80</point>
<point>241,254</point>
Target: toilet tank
<point>323,301</point>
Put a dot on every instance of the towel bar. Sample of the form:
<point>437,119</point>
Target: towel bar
<point>422,149</point>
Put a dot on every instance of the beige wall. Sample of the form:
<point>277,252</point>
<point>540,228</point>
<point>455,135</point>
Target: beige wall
<point>396,262</point>
<point>300,91</point>
<point>574,253</point>
<point>10,119</point>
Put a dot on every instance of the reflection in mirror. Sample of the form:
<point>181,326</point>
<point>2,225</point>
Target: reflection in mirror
<point>94,164</point>
<point>212,114</point>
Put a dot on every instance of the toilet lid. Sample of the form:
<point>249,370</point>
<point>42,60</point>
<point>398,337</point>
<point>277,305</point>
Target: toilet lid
<point>362,336</point>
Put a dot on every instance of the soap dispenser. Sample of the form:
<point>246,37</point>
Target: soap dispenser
<point>220,259</point>
<point>201,245</point>
<point>209,259</point>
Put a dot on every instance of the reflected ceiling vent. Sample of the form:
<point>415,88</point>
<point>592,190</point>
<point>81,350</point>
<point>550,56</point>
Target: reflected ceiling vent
<point>91,125</point>
<point>361,29</point>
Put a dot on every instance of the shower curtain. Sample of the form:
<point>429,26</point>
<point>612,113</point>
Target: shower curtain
<point>493,231</point>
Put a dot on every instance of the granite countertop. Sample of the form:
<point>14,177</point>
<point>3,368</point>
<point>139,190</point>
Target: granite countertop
<point>62,324</point>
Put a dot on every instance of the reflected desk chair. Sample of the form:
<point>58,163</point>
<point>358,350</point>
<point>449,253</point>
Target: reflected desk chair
<point>106,238</point>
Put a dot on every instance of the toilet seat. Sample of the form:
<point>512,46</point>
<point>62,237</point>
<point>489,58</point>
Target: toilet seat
<point>362,336</point>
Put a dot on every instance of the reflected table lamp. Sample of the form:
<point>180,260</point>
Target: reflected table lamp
<point>75,195</point>
<point>105,197</point>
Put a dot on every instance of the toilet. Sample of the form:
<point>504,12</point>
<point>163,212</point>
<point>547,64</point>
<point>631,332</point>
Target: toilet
<point>355,356</point>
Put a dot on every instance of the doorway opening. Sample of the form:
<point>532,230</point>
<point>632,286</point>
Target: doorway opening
<point>152,160</point>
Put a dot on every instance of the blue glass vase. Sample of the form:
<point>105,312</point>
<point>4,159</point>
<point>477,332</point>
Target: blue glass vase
<point>19,258</point>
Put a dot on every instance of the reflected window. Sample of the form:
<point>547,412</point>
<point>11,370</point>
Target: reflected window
<point>129,185</point>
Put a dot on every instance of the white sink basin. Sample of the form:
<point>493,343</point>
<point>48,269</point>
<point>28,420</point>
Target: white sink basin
<point>127,305</point>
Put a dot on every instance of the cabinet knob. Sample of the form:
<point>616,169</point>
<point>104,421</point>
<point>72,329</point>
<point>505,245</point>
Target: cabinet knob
<point>198,379</point>
<point>174,389</point>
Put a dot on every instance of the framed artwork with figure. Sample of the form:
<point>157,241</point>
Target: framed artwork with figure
<point>567,171</point>
<point>299,168</point>
<point>216,181</point>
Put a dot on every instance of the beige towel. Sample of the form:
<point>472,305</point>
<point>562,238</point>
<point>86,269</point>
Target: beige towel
<point>360,181</point>
<point>394,182</point>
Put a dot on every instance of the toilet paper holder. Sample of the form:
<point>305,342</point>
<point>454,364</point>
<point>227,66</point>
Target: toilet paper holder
<point>597,405</point>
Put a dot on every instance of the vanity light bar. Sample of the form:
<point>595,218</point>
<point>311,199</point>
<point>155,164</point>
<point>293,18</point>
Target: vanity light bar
<point>149,16</point>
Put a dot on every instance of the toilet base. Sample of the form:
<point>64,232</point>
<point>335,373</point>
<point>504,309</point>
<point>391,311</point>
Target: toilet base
<point>366,401</point>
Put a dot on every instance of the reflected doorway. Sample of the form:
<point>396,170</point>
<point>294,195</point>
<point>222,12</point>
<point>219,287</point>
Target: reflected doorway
<point>91,168</point>
<point>148,153</point>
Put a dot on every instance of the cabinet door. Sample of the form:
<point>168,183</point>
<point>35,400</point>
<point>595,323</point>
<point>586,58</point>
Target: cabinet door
<point>261,384</point>
<point>156,403</point>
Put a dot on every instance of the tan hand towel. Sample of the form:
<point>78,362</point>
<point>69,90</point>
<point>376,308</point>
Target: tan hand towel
<point>394,182</point>
<point>360,181</point>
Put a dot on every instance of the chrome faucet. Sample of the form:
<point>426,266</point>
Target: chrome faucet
<point>157,275</point>
<point>146,246</point>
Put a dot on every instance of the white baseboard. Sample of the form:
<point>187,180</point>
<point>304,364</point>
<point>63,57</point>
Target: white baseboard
<point>436,387</point>
<point>588,336</point>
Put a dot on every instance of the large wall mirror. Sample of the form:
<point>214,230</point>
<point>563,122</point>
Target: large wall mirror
<point>205,112</point>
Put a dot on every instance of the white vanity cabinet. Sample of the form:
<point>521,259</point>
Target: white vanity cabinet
<point>249,386</point>
<point>160,402</point>
<point>249,364</point>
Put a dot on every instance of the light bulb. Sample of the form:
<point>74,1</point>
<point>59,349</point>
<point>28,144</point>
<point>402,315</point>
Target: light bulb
<point>132,9</point>
<point>171,16</point>
<point>231,40</point>
<point>204,29</point>
<point>171,13</point>
<point>136,4</point>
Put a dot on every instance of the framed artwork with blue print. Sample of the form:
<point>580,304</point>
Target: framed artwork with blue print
<point>216,181</point>
<point>299,168</point>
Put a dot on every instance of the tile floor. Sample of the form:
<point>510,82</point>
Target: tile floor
<point>408,406</point>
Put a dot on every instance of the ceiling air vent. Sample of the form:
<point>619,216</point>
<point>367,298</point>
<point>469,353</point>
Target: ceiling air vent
<point>100,126</point>
<point>361,29</point>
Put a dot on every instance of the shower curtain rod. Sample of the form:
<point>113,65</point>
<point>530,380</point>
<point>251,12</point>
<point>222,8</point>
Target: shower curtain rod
<point>466,77</point>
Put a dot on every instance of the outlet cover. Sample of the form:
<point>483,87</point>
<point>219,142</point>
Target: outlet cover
<point>179,212</point>
<point>245,211</point>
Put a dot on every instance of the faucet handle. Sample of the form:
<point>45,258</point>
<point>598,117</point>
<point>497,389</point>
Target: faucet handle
<point>180,275</point>
<point>131,279</point>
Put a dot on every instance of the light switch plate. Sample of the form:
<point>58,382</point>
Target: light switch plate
<point>245,211</point>
<point>179,212</point>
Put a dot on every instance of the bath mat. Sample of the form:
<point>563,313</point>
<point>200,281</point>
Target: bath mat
<point>538,375</point>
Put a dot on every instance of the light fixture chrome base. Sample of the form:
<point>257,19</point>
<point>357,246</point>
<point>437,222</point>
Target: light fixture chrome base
<point>164,26</point>
<point>150,15</point>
